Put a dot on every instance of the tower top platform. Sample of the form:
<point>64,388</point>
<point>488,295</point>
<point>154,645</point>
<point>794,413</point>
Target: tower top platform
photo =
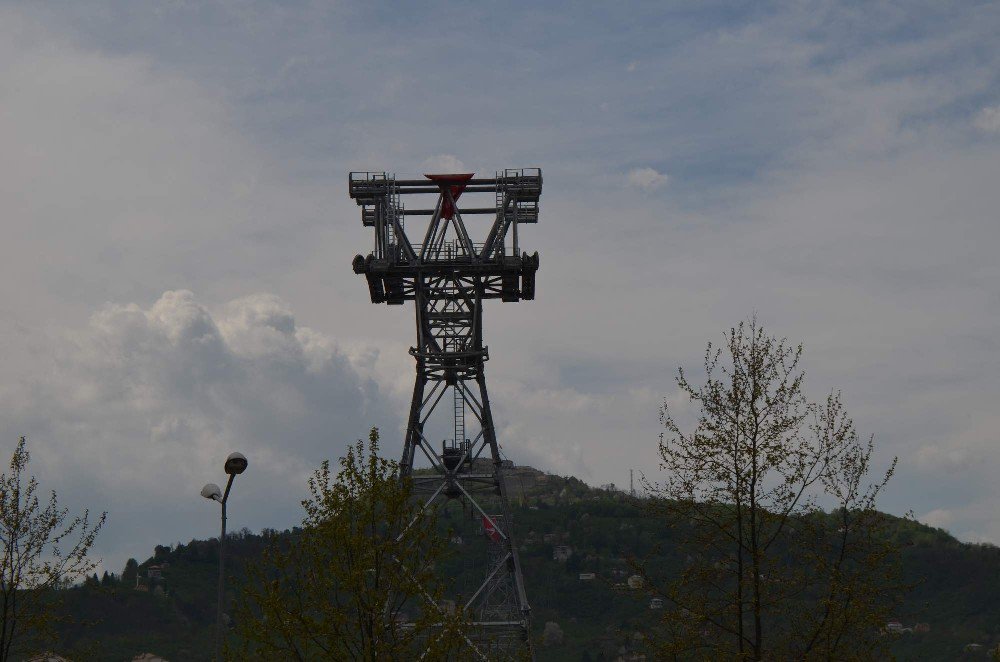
<point>445,247</point>
<point>367,187</point>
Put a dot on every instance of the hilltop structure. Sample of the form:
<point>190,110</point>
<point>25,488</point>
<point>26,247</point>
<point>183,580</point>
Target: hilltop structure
<point>448,276</point>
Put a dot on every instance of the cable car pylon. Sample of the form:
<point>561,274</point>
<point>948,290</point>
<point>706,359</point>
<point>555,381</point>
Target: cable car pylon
<point>448,276</point>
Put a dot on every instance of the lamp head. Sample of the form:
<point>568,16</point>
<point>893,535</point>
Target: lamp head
<point>236,463</point>
<point>212,491</point>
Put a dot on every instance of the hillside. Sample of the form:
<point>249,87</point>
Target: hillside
<point>955,598</point>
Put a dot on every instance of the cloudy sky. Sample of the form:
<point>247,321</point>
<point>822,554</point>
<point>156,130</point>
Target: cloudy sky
<point>176,278</point>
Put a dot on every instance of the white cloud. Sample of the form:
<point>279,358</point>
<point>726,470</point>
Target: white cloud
<point>988,119</point>
<point>646,179</point>
<point>135,411</point>
<point>443,164</point>
<point>939,518</point>
<point>632,66</point>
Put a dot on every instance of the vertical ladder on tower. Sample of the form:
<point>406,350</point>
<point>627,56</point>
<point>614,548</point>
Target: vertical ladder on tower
<point>459,416</point>
<point>501,193</point>
<point>394,213</point>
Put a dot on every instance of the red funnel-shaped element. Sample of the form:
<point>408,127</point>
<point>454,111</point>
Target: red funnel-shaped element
<point>457,182</point>
<point>490,530</point>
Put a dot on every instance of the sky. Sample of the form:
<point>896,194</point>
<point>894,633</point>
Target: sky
<point>175,277</point>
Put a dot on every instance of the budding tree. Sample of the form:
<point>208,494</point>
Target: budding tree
<point>42,549</point>
<point>784,554</point>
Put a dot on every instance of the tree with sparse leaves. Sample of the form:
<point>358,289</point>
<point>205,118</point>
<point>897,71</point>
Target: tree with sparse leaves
<point>784,553</point>
<point>42,549</point>
<point>363,563</point>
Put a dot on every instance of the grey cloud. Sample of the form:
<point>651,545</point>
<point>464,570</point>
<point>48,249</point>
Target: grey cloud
<point>136,411</point>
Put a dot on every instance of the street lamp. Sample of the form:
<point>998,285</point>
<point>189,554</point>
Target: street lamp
<point>236,463</point>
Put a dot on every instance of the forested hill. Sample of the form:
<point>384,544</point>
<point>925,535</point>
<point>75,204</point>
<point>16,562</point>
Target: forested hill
<point>166,605</point>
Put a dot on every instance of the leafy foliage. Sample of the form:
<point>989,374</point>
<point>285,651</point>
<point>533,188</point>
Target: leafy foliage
<point>363,562</point>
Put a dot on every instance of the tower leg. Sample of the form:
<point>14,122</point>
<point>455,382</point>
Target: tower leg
<point>489,432</point>
<point>413,426</point>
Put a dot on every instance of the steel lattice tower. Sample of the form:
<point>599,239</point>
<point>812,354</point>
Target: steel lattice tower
<point>448,276</point>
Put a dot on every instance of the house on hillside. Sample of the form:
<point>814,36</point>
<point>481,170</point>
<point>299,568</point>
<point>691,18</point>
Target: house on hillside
<point>636,581</point>
<point>656,603</point>
<point>894,626</point>
<point>587,576</point>
<point>561,553</point>
<point>154,571</point>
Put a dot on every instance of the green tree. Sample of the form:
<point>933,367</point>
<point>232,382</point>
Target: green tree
<point>131,573</point>
<point>363,562</point>
<point>768,574</point>
<point>42,549</point>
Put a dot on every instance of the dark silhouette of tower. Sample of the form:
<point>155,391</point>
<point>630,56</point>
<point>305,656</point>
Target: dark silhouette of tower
<point>448,276</point>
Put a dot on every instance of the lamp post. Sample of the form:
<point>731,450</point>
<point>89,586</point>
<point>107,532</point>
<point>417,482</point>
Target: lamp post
<point>236,463</point>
